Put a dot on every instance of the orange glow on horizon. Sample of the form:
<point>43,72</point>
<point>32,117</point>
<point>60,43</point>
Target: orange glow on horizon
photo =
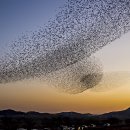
<point>25,96</point>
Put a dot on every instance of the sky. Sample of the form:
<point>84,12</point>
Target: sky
<point>20,16</point>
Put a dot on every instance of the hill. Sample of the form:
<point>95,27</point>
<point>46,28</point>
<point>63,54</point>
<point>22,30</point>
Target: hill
<point>124,114</point>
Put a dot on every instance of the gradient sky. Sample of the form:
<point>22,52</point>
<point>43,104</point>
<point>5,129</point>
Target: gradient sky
<point>19,16</point>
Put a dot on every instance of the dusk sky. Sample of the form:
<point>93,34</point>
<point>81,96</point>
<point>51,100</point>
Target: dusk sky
<point>21,16</point>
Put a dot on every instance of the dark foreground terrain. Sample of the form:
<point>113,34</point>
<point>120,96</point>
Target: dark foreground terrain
<point>15,120</point>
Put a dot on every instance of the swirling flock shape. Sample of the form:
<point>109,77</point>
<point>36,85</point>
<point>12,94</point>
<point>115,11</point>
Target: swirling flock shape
<point>81,28</point>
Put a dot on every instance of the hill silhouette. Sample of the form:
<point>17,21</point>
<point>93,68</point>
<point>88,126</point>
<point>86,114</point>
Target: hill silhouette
<point>124,114</point>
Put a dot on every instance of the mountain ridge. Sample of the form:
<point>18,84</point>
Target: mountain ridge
<point>122,114</point>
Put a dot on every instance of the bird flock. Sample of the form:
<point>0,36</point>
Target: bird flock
<point>66,44</point>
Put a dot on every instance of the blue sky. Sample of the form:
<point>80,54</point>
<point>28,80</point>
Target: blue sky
<point>19,16</point>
